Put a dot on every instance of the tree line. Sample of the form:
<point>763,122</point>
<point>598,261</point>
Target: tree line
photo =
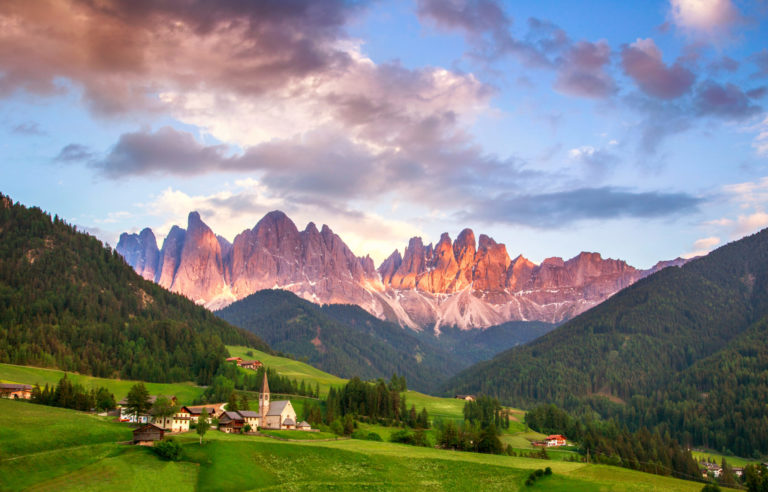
<point>75,396</point>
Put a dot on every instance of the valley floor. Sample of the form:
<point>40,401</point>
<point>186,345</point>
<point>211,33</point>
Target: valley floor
<point>46,448</point>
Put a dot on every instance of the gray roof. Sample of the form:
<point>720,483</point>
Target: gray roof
<point>277,407</point>
<point>289,422</point>
<point>232,415</point>
<point>303,423</point>
<point>249,414</point>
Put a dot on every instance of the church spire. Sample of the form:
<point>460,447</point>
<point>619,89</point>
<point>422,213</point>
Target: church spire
<point>264,400</point>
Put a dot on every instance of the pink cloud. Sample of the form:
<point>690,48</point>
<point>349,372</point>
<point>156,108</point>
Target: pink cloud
<point>642,61</point>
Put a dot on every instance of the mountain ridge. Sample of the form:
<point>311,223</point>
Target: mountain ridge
<point>466,282</point>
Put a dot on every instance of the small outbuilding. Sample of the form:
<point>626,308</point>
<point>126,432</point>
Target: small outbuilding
<point>303,426</point>
<point>147,434</point>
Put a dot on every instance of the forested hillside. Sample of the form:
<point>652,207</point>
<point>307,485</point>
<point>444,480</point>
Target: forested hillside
<point>682,349</point>
<point>340,339</point>
<point>67,301</point>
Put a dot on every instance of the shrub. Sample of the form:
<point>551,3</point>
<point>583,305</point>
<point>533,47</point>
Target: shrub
<point>168,449</point>
<point>548,471</point>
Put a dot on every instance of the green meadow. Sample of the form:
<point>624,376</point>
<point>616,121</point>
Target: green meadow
<point>45,448</point>
<point>185,392</point>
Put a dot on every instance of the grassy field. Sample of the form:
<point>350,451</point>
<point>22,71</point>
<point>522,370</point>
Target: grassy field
<point>732,460</point>
<point>46,448</point>
<point>290,368</point>
<point>185,392</point>
<point>297,435</point>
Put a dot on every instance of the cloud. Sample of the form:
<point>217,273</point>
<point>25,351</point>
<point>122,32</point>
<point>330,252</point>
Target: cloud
<point>726,101</point>
<point>549,210</point>
<point>761,60</point>
<point>74,153</point>
<point>583,71</point>
<point>760,143</point>
<point>122,53</point>
<point>710,19</point>
<point>30,128</point>
<point>702,246</point>
<point>642,61</point>
<point>597,162</point>
<point>487,27</point>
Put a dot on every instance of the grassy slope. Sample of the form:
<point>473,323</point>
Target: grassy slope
<point>76,451</point>
<point>185,392</point>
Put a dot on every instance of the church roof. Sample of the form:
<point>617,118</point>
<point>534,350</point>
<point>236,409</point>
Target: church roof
<point>249,414</point>
<point>289,421</point>
<point>265,385</point>
<point>277,407</point>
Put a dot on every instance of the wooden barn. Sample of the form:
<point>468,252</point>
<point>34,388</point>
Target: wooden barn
<point>147,434</point>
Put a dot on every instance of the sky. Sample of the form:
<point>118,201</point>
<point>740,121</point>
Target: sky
<point>635,129</point>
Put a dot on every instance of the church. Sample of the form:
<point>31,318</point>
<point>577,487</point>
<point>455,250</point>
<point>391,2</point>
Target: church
<point>277,414</point>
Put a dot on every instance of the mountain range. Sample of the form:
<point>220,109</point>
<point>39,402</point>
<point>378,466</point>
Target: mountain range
<point>466,283</point>
<point>683,351</point>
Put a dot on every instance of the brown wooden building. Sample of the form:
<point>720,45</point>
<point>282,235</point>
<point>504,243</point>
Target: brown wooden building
<point>15,391</point>
<point>147,434</point>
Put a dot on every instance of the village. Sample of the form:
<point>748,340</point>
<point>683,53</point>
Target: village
<point>153,427</point>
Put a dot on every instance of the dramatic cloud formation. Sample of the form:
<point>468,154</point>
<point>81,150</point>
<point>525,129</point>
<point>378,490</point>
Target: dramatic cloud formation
<point>708,18</point>
<point>558,208</point>
<point>642,61</point>
<point>122,52</point>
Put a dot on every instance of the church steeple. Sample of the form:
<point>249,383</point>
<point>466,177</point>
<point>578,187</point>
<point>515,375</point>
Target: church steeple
<point>264,400</point>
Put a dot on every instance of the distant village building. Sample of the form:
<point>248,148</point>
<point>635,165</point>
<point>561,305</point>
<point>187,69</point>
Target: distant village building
<point>465,397</point>
<point>179,422</point>
<point>147,434</point>
<point>555,440</point>
<point>212,409</point>
<point>15,391</point>
<point>236,360</point>
<point>231,422</point>
<point>278,415</point>
<point>250,364</point>
<point>303,425</point>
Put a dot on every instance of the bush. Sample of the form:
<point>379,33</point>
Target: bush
<point>711,487</point>
<point>548,471</point>
<point>372,436</point>
<point>168,449</point>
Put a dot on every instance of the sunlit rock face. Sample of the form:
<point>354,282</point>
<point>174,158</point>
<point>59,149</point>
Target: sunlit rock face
<point>467,283</point>
<point>316,265</point>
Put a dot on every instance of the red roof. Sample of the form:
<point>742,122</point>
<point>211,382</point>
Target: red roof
<point>556,436</point>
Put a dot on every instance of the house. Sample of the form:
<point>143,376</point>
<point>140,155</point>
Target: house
<point>555,440</point>
<point>252,419</point>
<point>303,426</point>
<point>231,422</point>
<point>147,434</point>
<point>250,364</point>
<point>738,471</point>
<point>465,397</point>
<point>15,391</point>
<point>213,410</point>
<point>179,422</point>
<point>128,416</point>
<point>711,469</point>
<point>236,360</point>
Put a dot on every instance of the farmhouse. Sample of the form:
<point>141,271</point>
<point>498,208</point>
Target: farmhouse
<point>250,364</point>
<point>213,410</point>
<point>555,440</point>
<point>252,419</point>
<point>147,434</point>
<point>231,422</point>
<point>236,360</point>
<point>465,397</point>
<point>15,391</point>
<point>179,422</point>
